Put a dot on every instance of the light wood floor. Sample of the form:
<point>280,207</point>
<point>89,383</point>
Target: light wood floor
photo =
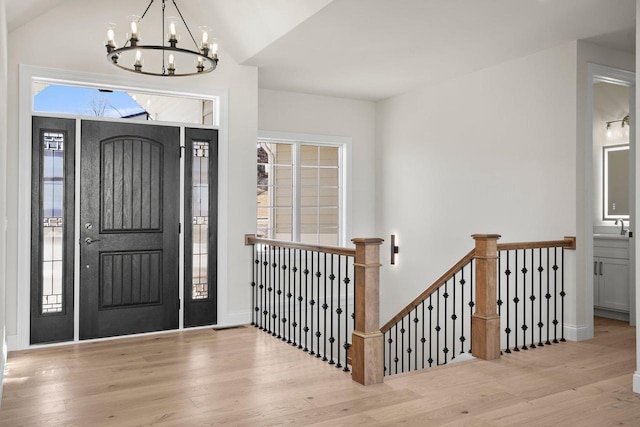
<point>245,377</point>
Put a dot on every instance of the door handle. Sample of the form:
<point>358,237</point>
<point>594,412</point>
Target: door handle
<point>601,268</point>
<point>89,240</point>
<point>595,268</point>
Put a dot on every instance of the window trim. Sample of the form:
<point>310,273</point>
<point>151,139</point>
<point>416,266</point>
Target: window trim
<point>344,161</point>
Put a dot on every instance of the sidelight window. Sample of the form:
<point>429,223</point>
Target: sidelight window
<point>200,220</point>
<point>52,221</point>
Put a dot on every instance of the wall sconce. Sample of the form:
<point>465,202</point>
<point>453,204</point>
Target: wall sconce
<point>394,249</point>
<point>624,122</point>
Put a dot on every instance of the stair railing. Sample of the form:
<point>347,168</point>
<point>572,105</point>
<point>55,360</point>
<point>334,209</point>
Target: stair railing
<point>323,300</point>
<point>498,296</point>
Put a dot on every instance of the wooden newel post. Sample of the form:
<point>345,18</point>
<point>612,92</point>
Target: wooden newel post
<point>367,360</point>
<point>485,322</point>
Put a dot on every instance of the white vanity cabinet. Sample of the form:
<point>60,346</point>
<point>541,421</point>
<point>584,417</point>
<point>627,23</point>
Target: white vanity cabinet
<point>611,274</point>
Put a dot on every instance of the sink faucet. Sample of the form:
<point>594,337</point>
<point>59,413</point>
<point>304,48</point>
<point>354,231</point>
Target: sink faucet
<point>622,230</point>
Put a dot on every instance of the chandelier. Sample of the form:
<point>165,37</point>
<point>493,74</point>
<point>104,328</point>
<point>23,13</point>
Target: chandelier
<point>165,59</point>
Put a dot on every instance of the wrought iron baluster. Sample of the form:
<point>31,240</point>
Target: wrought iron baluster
<point>445,350</point>
<point>438,327</point>
<point>331,337</point>
<point>415,339</point>
<point>347,280</point>
<point>555,295</point>
<point>339,309</point>
<point>423,340</point>
<point>289,296</point>
<point>507,330</point>
<point>532,298</point>
<point>471,302</point>
<point>516,300</point>
<point>318,333</point>
<point>306,299</point>
<point>562,295</point>
<point>384,355</point>
<point>274,284</point>
<point>325,306</point>
<point>389,342</point>
<point>453,318</point>
<point>462,338</point>
<point>278,312</point>
<point>253,286</point>
<point>524,271</point>
<point>499,302</point>
<point>430,329</point>
<point>294,270</point>
<point>396,359</point>
<point>540,324</point>
<point>548,298</point>
<point>402,331</point>
<point>312,303</point>
<point>300,298</point>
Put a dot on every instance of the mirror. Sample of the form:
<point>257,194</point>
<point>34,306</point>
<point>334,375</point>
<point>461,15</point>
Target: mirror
<point>616,182</point>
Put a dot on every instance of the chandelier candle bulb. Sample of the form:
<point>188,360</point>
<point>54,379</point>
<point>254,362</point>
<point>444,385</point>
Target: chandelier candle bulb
<point>134,29</point>
<point>111,39</point>
<point>138,64</point>
<point>172,65</point>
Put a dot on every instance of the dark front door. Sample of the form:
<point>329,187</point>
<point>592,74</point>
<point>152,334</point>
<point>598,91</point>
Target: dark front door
<point>129,222</point>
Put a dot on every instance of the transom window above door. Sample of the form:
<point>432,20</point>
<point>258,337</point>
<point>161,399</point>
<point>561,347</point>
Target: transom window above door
<point>53,98</point>
<point>300,192</point>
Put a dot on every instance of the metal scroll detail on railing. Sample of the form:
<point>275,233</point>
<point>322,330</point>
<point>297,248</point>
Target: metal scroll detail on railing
<point>304,295</point>
<point>436,327</point>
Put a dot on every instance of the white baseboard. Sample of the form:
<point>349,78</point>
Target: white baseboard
<point>577,332</point>
<point>12,343</point>
<point>636,382</point>
<point>236,319</point>
<point>3,363</point>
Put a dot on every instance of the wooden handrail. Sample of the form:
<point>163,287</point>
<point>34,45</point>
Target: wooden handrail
<point>568,243</point>
<point>430,290</point>
<point>251,239</point>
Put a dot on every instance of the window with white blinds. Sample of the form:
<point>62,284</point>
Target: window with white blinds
<point>299,192</point>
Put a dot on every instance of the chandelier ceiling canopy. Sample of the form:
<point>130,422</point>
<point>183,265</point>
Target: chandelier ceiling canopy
<point>165,59</point>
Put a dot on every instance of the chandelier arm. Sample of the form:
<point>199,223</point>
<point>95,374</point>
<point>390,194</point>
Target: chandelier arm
<point>146,10</point>
<point>185,24</point>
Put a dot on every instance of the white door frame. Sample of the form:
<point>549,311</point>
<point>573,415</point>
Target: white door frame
<point>600,73</point>
<point>28,74</point>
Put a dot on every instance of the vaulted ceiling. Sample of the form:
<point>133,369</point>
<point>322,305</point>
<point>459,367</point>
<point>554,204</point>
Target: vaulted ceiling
<point>373,49</point>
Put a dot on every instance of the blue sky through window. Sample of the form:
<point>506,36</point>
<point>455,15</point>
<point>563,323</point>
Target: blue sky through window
<point>85,102</point>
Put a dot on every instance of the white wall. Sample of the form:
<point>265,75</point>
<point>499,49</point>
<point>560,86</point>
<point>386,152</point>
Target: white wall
<point>489,152</point>
<point>610,102</point>
<point>71,37</point>
<point>3,204</point>
<point>321,115</point>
